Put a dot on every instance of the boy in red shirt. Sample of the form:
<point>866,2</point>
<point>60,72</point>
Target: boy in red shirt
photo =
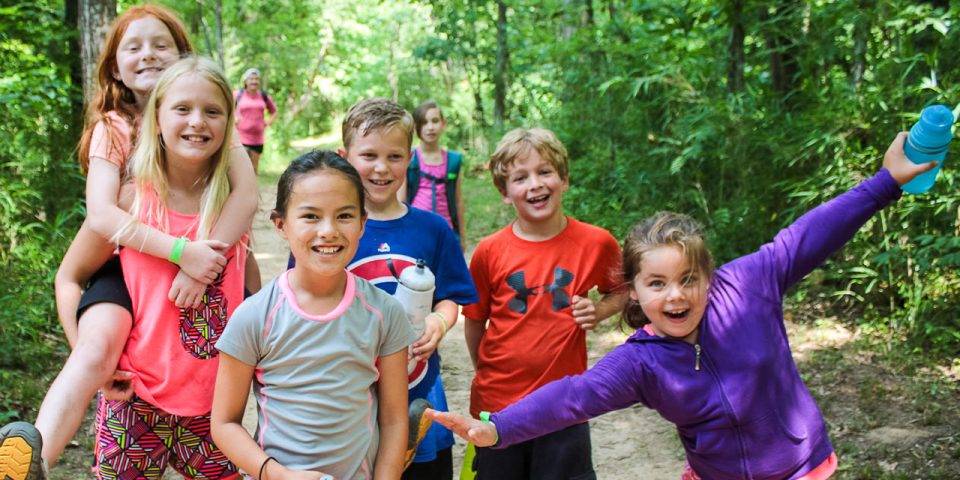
<point>529,327</point>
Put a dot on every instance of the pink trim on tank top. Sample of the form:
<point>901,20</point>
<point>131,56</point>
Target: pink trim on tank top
<point>348,293</point>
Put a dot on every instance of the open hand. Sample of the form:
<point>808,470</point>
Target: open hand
<point>472,430</point>
<point>900,167</point>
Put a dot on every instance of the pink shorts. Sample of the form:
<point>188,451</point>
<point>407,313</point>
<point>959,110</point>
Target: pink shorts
<point>824,471</point>
<point>136,440</point>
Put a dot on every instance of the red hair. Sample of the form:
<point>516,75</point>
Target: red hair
<point>111,93</point>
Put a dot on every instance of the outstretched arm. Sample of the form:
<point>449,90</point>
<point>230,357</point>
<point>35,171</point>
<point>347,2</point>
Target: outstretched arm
<point>804,245</point>
<point>481,434</point>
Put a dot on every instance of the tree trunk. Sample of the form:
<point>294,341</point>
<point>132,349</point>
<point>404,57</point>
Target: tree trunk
<point>500,80</point>
<point>736,57</point>
<point>781,33</point>
<point>861,37</point>
<point>218,18</point>
<point>93,22</point>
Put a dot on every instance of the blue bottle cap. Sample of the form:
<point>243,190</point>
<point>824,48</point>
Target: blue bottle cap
<point>932,133</point>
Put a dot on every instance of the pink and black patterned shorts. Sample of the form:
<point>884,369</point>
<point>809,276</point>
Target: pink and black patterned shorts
<point>136,440</point>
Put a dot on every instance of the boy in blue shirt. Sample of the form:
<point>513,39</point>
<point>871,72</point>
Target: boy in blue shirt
<point>377,135</point>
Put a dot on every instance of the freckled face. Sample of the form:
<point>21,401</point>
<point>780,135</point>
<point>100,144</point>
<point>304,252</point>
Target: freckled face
<point>672,297</point>
<point>146,49</point>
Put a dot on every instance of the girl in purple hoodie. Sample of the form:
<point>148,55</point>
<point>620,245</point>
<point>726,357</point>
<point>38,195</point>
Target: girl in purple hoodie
<point>711,352</point>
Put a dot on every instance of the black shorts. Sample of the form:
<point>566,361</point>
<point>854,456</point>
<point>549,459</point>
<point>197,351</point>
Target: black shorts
<point>555,456</point>
<point>254,148</point>
<point>106,285</point>
<point>440,468</point>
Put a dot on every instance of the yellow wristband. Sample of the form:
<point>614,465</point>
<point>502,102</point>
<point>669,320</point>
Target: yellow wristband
<point>443,323</point>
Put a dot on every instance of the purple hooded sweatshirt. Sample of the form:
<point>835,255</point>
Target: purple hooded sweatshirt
<point>746,413</point>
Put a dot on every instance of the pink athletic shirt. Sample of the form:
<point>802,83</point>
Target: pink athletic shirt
<point>423,199</point>
<point>170,350</point>
<point>250,108</point>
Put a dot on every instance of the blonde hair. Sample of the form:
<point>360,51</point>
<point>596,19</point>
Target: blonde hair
<point>147,165</point>
<point>374,114</point>
<point>518,143</point>
<point>661,230</point>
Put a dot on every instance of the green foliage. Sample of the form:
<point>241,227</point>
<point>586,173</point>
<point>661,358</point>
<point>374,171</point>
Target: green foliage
<point>40,189</point>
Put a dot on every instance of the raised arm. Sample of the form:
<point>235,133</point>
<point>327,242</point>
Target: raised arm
<point>804,245</point>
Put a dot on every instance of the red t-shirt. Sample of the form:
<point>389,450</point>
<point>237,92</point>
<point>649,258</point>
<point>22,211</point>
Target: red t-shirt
<point>526,289</point>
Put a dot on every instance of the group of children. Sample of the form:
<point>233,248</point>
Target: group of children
<point>163,332</point>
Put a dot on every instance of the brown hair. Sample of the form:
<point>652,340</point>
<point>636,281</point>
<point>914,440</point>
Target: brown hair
<point>517,143</point>
<point>112,94</point>
<point>660,230</point>
<point>420,114</point>
<point>374,114</point>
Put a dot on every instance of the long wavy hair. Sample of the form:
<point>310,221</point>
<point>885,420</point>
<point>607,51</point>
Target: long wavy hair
<point>111,93</point>
<point>148,163</point>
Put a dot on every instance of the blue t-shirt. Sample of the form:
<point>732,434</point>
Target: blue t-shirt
<point>418,235</point>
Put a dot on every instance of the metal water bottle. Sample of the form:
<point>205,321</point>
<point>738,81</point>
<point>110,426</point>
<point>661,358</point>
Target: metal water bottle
<point>415,291</point>
<point>928,142</point>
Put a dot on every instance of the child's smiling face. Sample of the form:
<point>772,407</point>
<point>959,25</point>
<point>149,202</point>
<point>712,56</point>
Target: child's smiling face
<point>535,188</point>
<point>323,222</point>
<point>381,157</point>
<point>672,297</point>
<point>146,49</point>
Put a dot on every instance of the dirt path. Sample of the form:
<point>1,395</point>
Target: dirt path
<point>634,443</point>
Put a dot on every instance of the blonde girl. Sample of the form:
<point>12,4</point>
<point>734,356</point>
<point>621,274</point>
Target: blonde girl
<point>180,167</point>
<point>141,44</point>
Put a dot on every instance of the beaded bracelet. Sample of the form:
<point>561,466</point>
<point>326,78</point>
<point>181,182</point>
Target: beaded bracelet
<point>177,250</point>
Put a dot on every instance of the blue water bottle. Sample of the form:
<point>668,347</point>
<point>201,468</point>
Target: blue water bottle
<point>928,142</point>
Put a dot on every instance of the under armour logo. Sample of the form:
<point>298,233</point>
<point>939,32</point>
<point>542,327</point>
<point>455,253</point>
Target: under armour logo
<point>517,281</point>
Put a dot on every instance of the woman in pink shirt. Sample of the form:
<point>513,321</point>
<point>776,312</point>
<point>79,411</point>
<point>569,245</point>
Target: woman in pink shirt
<point>251,104</point>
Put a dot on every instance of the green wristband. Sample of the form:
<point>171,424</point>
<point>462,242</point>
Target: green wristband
<point>485,418</point>
<point>177,250</point>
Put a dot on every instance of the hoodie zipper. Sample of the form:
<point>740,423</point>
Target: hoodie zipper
<point>696,365</point>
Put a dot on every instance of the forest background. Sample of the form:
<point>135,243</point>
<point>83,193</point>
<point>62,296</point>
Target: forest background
<point>742,113</point>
